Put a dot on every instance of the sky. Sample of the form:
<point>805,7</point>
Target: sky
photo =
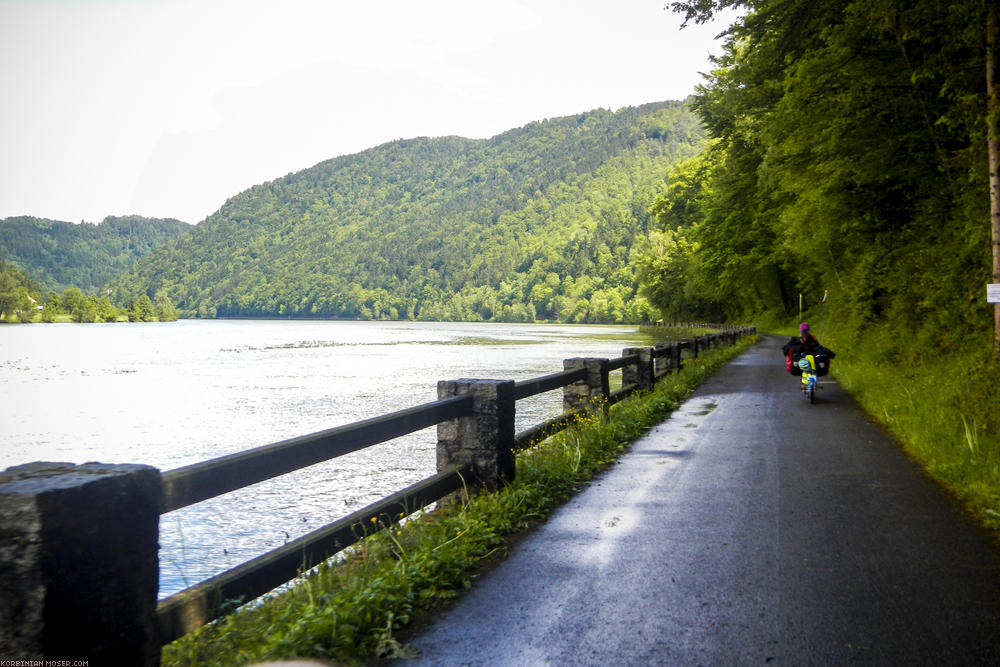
<point>166,108</point>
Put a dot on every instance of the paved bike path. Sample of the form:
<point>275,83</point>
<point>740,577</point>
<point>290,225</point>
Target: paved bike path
<point>749,528</point>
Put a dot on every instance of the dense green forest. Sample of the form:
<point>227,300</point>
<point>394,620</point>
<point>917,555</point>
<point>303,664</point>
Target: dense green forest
<point>538,223</point>
<point>848,154</point>
<point>59,255</point>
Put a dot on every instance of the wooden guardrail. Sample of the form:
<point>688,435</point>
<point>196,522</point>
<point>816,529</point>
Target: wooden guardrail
<point>78,557</point>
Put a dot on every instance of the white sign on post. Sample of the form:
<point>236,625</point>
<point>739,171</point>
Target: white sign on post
<point>993,293</point>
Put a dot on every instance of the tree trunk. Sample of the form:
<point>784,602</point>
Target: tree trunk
<point>993,147</point>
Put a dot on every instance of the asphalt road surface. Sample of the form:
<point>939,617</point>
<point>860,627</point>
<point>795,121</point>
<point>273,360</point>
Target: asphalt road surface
<point>749,528</point>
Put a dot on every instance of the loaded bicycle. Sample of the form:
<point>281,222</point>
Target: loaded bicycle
<point>805,357</point>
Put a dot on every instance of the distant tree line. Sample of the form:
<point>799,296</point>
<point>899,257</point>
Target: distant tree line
<point>21,301</point>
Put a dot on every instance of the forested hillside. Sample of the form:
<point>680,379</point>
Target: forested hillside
<point>59,255</point>
<point>540,222</point>
<point>848,154</point>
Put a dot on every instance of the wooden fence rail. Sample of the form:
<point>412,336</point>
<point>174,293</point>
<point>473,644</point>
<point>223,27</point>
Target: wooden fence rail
<point>208,479</point>
<point>78,557</point>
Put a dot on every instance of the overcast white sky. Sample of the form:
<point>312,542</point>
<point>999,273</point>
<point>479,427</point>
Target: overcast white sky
<point>165,108</point>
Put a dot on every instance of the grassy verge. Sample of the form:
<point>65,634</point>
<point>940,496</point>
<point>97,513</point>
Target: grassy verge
<point>350,612</point>
<point>943,406</point>
<point>937,392</point>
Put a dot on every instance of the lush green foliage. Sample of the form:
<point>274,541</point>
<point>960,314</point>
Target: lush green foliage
<point>59,255</point>
<point>536,223</point>
<point>17,293</point>
<point>80,307</point>
<point>20,300</point>
<point>350,611</point>
<point>848,155</point>
<point>940,404</point>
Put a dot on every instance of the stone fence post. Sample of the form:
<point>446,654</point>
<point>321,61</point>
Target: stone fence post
<point>79,571</point>
<point>590,392</point>
<point>684,343</point>
<point>641,374</point>
<point>662,364</point>
<point>486,438</point>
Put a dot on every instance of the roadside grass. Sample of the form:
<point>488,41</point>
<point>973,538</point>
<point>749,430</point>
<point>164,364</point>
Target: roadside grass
<point>937,393</point>
<point>350,610</point>
<point>944,409</point>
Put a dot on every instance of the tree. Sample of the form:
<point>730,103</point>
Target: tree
<point>103,309</point>
<point>25,307</point>
<point>164,307</point>
<point>665,267</point>
<point>9,297</point>
<point>16,293</point>
<point>74,302</point>
<point>51,308</point>
<point>141,309</point>
<point>88,311</point>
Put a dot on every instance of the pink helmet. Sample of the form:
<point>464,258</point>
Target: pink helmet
<point>804,327</point>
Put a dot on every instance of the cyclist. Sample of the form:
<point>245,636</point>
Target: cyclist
<point>804,343</point>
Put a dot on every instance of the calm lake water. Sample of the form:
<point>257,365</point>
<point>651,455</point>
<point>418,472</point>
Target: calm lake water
<point>171,394</point>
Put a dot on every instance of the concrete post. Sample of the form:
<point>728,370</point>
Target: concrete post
<point>590,392</point>
<point>486,438</point>
<point>661,365</point>
<point>640,375</point>
<point>79,571</point>
<point>679,354</point>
